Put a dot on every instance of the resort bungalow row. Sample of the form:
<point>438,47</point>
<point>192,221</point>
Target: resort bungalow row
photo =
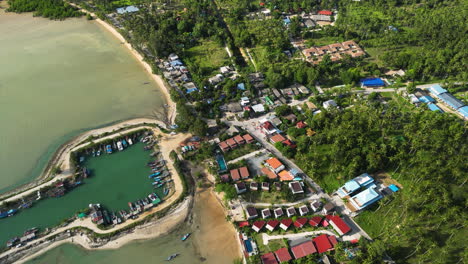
<point>234,142</point>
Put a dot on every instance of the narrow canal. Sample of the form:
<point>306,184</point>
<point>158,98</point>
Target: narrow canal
<point>116,179</point>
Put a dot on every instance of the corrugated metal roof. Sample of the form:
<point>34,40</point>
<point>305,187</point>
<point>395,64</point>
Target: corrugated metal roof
<point>434,108</point>
<point>464,111</point>
<point>437,89</point>
<point>451,100</point>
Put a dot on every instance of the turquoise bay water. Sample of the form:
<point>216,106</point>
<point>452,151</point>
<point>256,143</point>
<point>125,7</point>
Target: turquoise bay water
<point>58,78</point>
<point>116,179</point>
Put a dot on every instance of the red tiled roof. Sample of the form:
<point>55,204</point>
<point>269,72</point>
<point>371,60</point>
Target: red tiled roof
<point>300,222</point>
<point>243,223</point>
<point>289,143</point>
<point>248,137</point>
<point>286,222</point>
<point>239,139</point>
<point>333,240</point>
<point>277,138</point>
<point>258,225</point>
<point>301,124</point>
<point>273,223</point>
<point>325,12</point>
<point>283,255</point>
<point>244,172</point>
<point>322,243</point>
<point>223,145</point>
<point>231,142</point>
<point>341,226</point>
<point>274,163</point>
<point>269,258</point>
<point>269,173</point>
<point>303,249</point>
<point>315,221</point>
<point>235,175</point>
<point>268,126</point>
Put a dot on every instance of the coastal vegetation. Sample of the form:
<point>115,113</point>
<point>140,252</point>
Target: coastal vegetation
<point>53,9</point>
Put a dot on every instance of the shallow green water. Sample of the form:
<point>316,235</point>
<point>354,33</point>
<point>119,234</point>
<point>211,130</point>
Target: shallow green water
<point>116,179</point>
<point>58,78</point>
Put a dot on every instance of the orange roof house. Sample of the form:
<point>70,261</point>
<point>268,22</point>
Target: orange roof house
<point>235,175</point>
<point>284,175</point>
<point>244,172</point>
<point>275,165</point>
<point>269,173</point>
<point>277,138</point>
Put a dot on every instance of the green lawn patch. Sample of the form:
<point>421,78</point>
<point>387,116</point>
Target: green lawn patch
<point>206,58</point>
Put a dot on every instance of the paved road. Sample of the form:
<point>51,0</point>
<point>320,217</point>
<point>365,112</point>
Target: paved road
<point>251,154</point>
<point>266,238</point>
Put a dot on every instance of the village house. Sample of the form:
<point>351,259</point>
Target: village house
<point>338,224</point>
<point>271,175</point>
<point>235,174</point>
<point>268,258</point>
<point>290,211</point>
<point>239,140</point>
<point>285,175</point>
<point>328,208</point>
<point>315,205</point>
<point>296,187</point>
<point>278,212</point>
<point>253,186</point>
<point>277,138</point>
<point>274,164</point>
<point>224,177</point>
<point>323,244</point>
<point>283,255</point>
<point>268,128</point>
<point>245,101</point>
<point>231,142</point>
<point>329,104</point>
<point>303,250</point>
<point>303,210</point>
<point>244,173</point>
<point>365,198</point>
<point>240,187</point>
<point>285,223</point>
<point>248,138</point>
<point>251,213</point>
<point>258,225</point>
<point>315,221</point>
<point>272,224</point>
<point>300,222</point>
<point>266,213</point>
<point>224,146</point>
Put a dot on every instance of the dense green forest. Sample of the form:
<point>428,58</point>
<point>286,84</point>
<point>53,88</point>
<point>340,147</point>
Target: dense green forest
<point>424,151</point>
<point>53,9</point>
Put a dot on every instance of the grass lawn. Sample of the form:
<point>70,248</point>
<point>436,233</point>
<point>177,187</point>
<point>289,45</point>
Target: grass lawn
<point>263,197</point>
<point>276,244</point>
<point>209,56</point>
<point>240,151</point>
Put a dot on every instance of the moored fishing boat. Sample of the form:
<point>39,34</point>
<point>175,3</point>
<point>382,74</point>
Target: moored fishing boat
<point>130,142</point>
<point>166,191</point>
<point>119,146</point>
<point>185,236</point>
<point>124,143</point>
<point>171,257</point>
<point>109,149</point>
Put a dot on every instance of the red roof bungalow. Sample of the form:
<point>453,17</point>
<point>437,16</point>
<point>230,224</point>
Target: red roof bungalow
<point>304,249</point>
<point>289,143</point>
<point>338,224</point>
<point>325,12</point>
<point>248,138</point>
<point>231,142</point>
<point>235,175</point>
<point>323,244</point>
<point>239,139</point>
<point>277,138</point>
<point>315,221</point>
<point>301,124</point>
<point>243,223</point>
<point>285,223</point>
<point>272,224</point>
<point>258,225</point>
<point>223,146</point>
<point>283,255</point>
<point>244,172</point>
<point>268,128</point>
<point>300,222</point>
<point>269,258</point>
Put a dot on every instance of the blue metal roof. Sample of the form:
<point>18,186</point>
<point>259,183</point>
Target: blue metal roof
<point>351,186</point>
<point>394,188</point>
<point>372,82</point>
<point>434,107</point>
<point>464,111</point>
<point>451,100</point>
<point>176,63</point>
<point>366,198</point>
<point>191,90</point>
<point>437,89</point>
<point>287,21</point>
<point>127,9</point>
<point>426,99</point>
<point>241,86</point>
